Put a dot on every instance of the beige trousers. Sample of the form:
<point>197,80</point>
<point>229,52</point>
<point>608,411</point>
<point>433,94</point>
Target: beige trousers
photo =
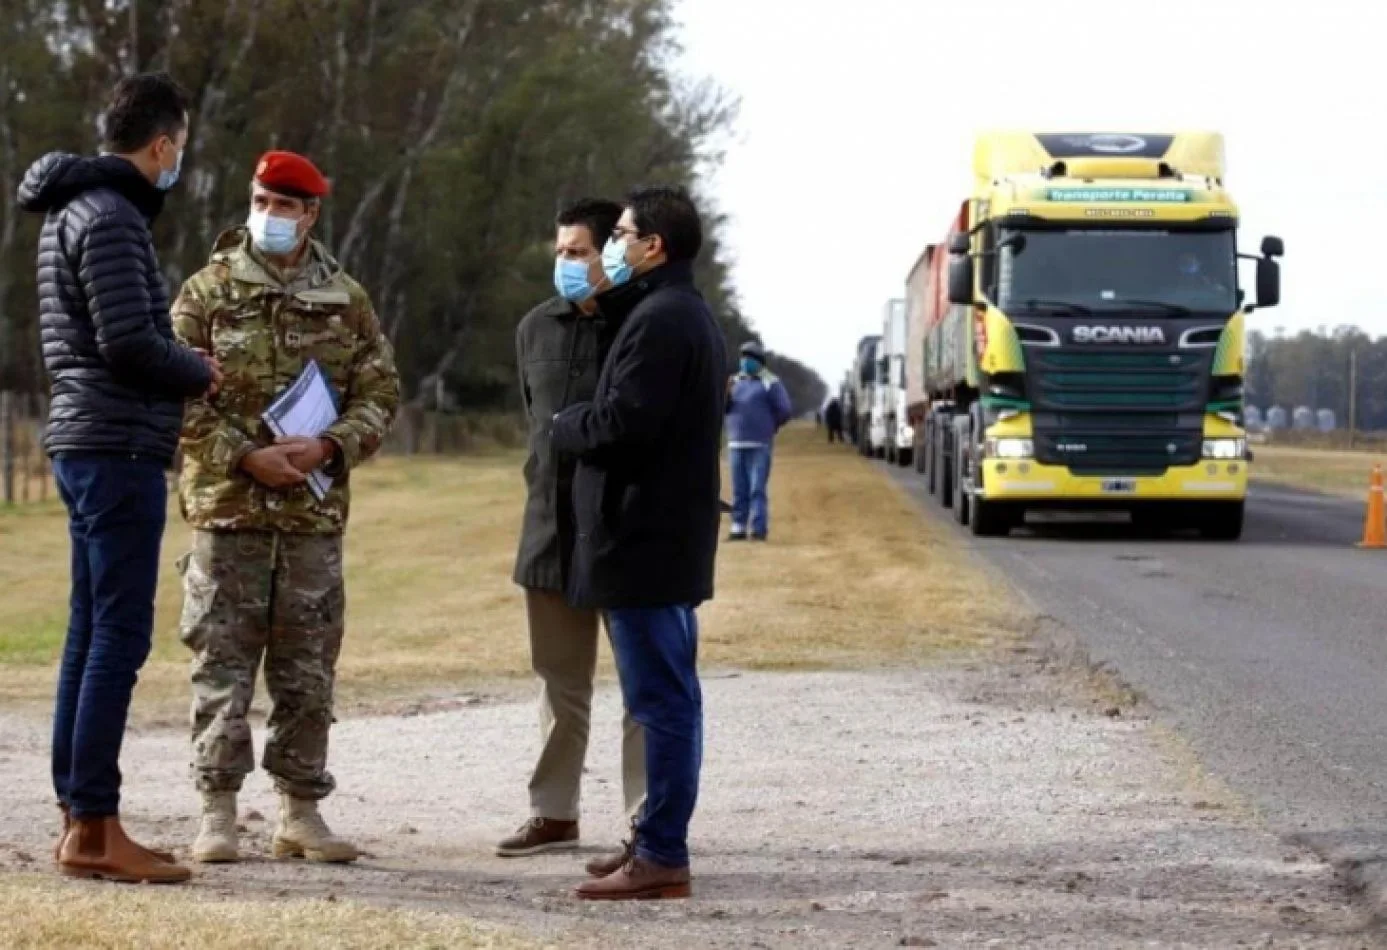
<point>563,651</point>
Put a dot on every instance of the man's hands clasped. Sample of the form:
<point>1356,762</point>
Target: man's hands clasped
<point>287,462</point>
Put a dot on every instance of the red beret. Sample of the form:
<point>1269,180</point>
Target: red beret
<point>289,173</point>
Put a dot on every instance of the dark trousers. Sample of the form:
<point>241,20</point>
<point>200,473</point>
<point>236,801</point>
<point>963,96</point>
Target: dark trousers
<point>656,651</point>
<point>116,513</point>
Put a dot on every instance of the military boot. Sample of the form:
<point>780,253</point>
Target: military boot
<point>216,835</point>
<point>302,833</point>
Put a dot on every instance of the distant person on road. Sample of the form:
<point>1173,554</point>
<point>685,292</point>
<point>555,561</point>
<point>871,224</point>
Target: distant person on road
<point>757,408</point>
<point>833,420</point>
<point>645,497</point>
<point>119,381</point>
<point>559,347</point>
<point>264,577</point>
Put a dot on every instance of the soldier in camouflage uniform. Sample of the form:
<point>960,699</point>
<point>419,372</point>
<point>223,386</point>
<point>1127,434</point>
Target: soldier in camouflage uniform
<point>264,577</point>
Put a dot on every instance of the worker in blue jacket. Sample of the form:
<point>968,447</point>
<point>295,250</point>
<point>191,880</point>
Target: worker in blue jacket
<point>757,407</point>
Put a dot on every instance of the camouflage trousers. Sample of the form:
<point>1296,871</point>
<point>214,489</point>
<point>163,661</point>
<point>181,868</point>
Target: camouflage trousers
<point>253,596</point>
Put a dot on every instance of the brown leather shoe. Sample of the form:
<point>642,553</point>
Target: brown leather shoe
<point>67,825</point>
<point>539,835</point>
<point>638,880</point>
<point>611,863</point>
<point>99,848</point>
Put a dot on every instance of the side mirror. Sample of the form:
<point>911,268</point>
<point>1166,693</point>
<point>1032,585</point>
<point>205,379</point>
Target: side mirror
<point>959,244</point>
<point>1273,247</point>
<point>1268,282</point>
<point>961,280</point>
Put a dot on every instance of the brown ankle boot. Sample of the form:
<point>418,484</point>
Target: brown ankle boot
<point>166,856</point>
<point>99,848</point>
<point>638,880</point>
<point>606,864</point>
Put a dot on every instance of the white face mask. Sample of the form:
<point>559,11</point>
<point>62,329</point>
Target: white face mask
<point>278,236</point>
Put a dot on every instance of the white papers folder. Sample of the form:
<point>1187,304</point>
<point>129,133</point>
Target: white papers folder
<point>306,408</point>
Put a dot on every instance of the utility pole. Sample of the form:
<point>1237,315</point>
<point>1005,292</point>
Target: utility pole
<point>1352,397</point>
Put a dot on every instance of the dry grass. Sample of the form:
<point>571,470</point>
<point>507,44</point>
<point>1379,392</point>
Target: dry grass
<point>853,576</point>
<point>1334,472</point>
<point>116,916</point>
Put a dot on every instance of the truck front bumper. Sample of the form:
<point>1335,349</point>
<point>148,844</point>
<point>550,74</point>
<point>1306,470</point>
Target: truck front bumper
<point>1025,480</point>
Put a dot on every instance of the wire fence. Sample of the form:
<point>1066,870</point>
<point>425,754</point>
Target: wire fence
<point>26,476</point>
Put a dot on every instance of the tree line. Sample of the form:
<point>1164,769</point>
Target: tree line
<point>1312,369</point>
<point>452,130</point>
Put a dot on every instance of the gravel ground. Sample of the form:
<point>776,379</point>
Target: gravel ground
<point>971,806</point>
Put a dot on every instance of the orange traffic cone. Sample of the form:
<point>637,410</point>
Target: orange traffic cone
<point>1375,527</point>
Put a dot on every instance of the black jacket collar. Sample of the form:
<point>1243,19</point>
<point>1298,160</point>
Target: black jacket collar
<point>617,303</point>
<point>58,177</point>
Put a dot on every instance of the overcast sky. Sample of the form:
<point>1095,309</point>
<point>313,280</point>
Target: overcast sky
<point>854,142</point>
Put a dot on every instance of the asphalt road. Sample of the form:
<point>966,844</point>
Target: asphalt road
<point>1269,654</point>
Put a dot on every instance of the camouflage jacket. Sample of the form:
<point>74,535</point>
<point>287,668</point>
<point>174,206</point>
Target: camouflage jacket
<point>264,329</point>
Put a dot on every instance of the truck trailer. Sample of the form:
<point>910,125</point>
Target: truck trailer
<point>1082,331</point>
<point>865,368</point>
<point>897,436</point>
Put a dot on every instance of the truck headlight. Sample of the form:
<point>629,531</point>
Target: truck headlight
<point>1009,448</point>
<point>907,433</point>
<point>1225,448</point>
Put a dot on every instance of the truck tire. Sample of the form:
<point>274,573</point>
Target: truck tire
<point>962,501</point>
<point>1222,521</point>
<point>904,457</point>
<point>991,519</point>
<point>928,458</point>
<point>943,471</point>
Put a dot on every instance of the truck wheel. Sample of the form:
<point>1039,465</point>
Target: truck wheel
<point>991,519</point>
<point>962,500</point>
<point>929,459</point>
<point>1222,521</point>
<point>904,457</point>
<point>941,466</point>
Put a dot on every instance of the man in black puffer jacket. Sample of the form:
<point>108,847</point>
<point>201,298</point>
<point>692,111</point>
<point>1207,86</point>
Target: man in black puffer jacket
<point>119,380</point>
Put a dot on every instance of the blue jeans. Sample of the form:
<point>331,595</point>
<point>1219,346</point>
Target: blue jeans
<point>751,473</point>
<point>656,652</point>
<point>116,511</point>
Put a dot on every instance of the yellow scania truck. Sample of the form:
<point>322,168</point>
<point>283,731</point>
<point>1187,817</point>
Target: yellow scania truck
<point>1082,332</point>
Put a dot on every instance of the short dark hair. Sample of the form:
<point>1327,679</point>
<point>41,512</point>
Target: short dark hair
<point>598,215</point>
<point>142,108</point>
<point>670,213</point>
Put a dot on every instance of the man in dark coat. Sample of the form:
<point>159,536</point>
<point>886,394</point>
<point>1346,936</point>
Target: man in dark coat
<point>559,347</point>
<point>119,381</point>
<point>833,420</point>
<point>645,499</point>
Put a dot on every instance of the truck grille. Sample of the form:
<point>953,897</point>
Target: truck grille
<point>1117,413</point>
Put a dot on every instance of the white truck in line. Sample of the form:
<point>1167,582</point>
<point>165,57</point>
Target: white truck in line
<point>897,435</point>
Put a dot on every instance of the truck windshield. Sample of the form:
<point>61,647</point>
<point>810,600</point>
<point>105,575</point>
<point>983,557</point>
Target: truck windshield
<point>1132,271</point>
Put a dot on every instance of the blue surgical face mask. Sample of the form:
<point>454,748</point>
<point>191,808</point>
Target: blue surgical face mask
<point>571,280</point>
<point>750,366</point>
<point>614,261</point>
<point>168,177</point>
<point>278,236</point>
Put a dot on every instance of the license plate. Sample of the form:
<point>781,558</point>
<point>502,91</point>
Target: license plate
<point>1119,485</point>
